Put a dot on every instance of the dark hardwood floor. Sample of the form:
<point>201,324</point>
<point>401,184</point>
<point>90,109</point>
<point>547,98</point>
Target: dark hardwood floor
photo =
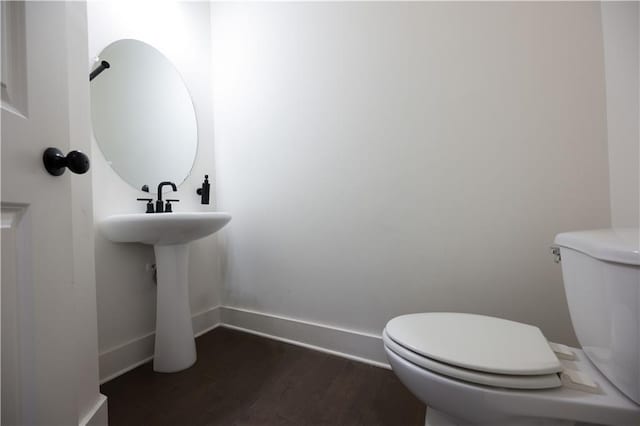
<point>242,379</point>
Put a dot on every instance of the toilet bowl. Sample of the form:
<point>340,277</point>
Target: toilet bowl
<point>454,396</point>
<point>475,369</point>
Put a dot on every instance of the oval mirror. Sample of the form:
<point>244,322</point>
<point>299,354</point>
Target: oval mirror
<point>143,117</point>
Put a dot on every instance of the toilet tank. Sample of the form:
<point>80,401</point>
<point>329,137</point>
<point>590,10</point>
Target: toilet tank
<point>601,274</point>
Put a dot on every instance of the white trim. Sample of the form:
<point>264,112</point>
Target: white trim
<point>97,416</point>
<point>123,370</point>
<point>206,320</point>
<point>355,345</point>
<point>308,346</point>
<point>125,357</point>
<point>300,321</point>
<point>351,344</point>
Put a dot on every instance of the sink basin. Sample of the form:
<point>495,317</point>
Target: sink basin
<point>162,228</point>
<point>170,234</point>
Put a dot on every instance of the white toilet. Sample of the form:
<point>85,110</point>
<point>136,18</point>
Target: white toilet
<point>475,369</point>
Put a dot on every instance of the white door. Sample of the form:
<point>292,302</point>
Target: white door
<point>49,345</point>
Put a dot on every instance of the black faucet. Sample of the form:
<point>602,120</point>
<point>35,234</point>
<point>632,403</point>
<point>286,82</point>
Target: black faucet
<point>159,205</point>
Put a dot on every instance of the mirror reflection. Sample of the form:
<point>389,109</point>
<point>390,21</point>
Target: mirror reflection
<point>143,116</point>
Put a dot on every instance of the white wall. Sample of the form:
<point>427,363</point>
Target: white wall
<point>621,34</point>
<point>386,158</point>
<point>125,291</point>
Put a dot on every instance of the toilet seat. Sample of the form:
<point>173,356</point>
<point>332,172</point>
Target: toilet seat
<point>476,342</point>
<point>476,348</point>
<point>541,381</point>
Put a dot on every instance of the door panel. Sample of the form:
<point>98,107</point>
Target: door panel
<point>14,68</point>
<point>50,315</point>
<point>11,236</point>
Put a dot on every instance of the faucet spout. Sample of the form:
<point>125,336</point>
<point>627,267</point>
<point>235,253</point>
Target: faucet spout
<point>165,183</point>
<point>159,205</point>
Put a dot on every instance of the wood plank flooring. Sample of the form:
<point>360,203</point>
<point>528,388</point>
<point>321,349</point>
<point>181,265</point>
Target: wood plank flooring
<point>242,379</point>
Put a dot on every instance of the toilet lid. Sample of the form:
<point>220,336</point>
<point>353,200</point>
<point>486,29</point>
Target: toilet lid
<point>541,381</point>
<point>476,342</point>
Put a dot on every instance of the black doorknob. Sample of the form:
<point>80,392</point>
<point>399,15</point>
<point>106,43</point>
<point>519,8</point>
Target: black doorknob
<point>55,162</point>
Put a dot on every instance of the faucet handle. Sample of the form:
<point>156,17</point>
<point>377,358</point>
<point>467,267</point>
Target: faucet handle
<point>149,204</point>
<point>167,206</point>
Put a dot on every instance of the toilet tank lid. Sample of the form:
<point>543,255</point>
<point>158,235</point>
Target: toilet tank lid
<point>620,245</point>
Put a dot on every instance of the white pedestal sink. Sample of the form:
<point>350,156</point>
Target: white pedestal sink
<point>170,234</point>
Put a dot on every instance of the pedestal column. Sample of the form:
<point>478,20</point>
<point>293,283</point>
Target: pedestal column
<point>175,347</point>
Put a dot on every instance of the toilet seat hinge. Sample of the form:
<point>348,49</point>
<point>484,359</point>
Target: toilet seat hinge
<point>562,351</point>
<point>578,380</point>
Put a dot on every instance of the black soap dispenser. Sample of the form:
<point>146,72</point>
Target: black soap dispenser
<point>204,191</point>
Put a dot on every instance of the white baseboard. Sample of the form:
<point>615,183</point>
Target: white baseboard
<point>129,355</point>
<point>206,321</point>
<point>97,416</point>
<point>351,344</point>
